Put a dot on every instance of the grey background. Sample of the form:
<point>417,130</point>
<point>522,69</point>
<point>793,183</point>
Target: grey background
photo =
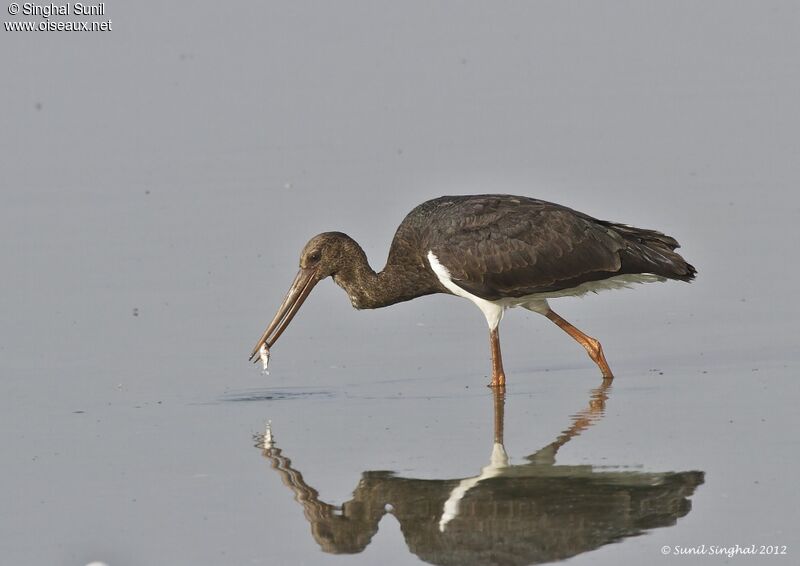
<point>177,164</point>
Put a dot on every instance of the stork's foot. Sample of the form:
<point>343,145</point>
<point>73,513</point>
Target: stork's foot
<point>498,381</point>
<point>592,346</point>
<point>595,351</point>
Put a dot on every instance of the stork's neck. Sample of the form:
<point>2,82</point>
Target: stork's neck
<point>404,277</point>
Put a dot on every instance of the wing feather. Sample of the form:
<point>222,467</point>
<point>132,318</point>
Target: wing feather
<point>501,246</point>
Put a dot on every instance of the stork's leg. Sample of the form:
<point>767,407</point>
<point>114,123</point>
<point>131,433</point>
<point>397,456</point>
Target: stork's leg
<point>498,375</point>
<point>592,346</point>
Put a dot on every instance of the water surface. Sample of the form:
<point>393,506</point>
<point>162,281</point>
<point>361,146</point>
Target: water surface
<point>160,180</point>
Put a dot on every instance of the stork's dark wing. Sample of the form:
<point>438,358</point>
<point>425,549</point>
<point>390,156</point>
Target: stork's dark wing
<point>504,246</point>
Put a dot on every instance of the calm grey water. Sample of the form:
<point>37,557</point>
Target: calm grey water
<point>160,179</point>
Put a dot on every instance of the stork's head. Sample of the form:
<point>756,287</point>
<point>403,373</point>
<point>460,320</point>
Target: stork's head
<point>324,255</point>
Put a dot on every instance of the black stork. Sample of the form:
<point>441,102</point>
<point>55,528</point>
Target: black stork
<point>498,251</point>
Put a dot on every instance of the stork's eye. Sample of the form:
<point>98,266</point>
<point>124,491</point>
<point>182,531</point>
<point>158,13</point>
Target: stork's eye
<point>314,256</point>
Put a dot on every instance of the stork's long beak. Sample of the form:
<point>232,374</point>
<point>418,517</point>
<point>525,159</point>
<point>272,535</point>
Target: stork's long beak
<point>301,287</point>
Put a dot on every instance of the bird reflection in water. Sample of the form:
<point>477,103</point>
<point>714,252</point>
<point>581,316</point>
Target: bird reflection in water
<point>509,514</point>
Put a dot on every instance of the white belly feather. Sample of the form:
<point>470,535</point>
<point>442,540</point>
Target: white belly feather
<point>537,302</point>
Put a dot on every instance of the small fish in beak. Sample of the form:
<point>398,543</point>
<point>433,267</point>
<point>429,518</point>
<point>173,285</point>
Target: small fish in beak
<point>263,354</point>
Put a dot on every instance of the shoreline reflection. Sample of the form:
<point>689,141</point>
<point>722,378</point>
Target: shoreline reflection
<point>510,514</point>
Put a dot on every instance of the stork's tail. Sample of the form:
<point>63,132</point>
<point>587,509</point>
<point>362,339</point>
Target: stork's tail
<point>650,251</point>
